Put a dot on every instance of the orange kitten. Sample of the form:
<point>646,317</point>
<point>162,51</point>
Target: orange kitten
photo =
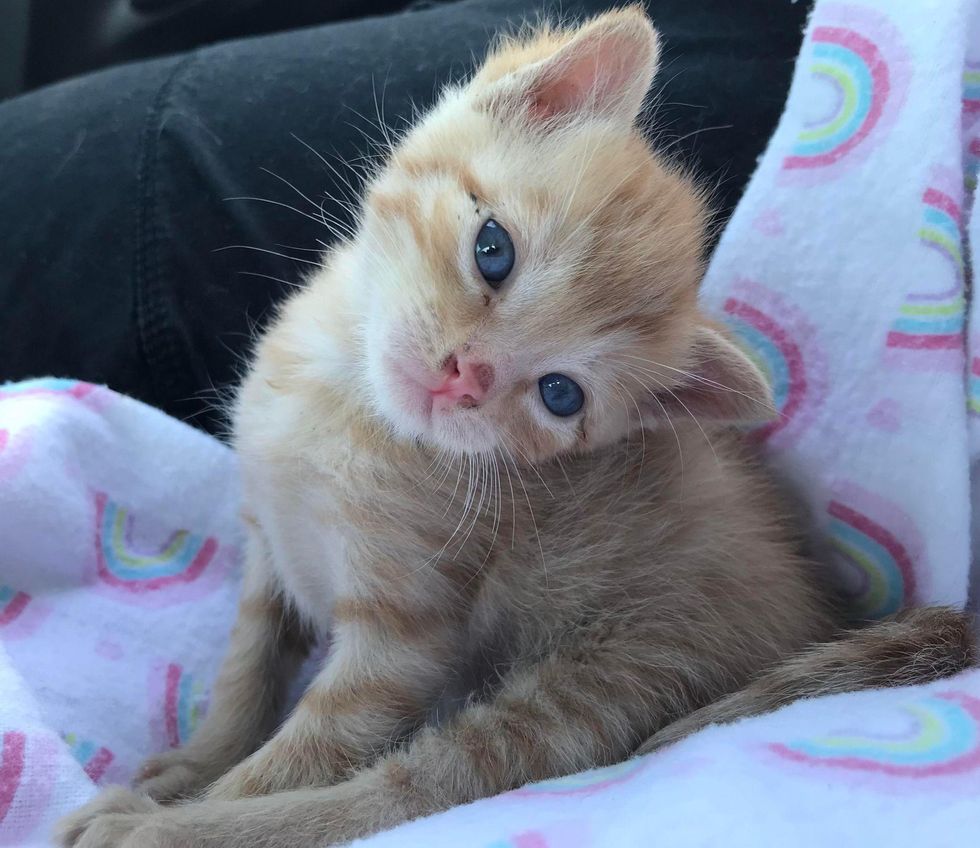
<point>491,441</point>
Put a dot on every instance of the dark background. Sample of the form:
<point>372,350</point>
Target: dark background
<point>123,258</point>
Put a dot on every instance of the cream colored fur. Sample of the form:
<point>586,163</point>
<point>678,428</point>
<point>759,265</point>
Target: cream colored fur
<point>589,580</point>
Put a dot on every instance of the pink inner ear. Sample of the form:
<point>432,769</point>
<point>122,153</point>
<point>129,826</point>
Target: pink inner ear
<point>594,74</point>
<point>567,90</point>
<point>551,101</point>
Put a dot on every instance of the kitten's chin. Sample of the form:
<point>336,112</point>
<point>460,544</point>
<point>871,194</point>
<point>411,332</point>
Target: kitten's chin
<point>455,432</point>
<point>458,431</point>
<point>463,431</point>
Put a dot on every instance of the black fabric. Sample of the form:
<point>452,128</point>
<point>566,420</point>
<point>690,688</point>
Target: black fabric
<point>118,257</point>
<point>69,37</point>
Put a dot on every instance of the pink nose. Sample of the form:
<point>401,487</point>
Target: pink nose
<point>465,383</point>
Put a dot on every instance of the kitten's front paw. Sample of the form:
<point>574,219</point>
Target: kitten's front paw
<point>173,776</point>
<point>112,813</point>
<point>137,831</point>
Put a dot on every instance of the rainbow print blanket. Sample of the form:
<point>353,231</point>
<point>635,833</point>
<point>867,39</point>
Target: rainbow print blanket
<point>843,271</point>
<point>118,589</point>
<point>118,573</point>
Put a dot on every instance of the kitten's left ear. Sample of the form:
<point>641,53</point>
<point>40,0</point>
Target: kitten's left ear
<point>603,68</point>
<point>723,385</point>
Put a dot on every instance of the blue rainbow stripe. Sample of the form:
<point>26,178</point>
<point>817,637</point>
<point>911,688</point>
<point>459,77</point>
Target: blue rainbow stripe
<point>859,75</point>
<point>944,731</point>
<point>943,739</point>
<point>883,563</point>
<point>190,706</point>
<point>180,559</point>
<point>849,74</point>
<point>766,356</point>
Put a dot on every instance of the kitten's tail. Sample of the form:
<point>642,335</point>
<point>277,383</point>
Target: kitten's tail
<point>916,646</point>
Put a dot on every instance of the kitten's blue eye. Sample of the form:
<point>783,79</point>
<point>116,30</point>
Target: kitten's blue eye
<point>561,394</point>
<point>494,253</point>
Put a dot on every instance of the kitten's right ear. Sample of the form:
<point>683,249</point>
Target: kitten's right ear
<point>603,68</point>
<point>722,384</point>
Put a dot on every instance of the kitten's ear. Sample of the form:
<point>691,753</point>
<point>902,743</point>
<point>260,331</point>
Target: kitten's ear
<point>724,386</point>
<point>605,68</point>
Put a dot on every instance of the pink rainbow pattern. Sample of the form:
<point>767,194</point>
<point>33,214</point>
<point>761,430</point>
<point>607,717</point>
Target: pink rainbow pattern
<point>28,771</point>
<point>876,549</point>
<point>11,769</point>
<point>93,759</point>
<point>971,124</point>
<point>971,88</point>
<point>12,605</point>
<point>782,343</point>
<point>858,70</point>
<point>527,839</point>
<point>971,163</point>
<point>142,562</point>
<point>567,834</point>
<point>178,703</point>
<point>853,65</point>
<point>942,738</point>
<point>15,450</point>
<point>928,332</point>
<point>20,614</point>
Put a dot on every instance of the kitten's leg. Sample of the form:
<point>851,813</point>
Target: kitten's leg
<point>566,713</point>
<point>267,645</point>
<point>389,662</point>
<point>569,712</point>
<point>916,646</point>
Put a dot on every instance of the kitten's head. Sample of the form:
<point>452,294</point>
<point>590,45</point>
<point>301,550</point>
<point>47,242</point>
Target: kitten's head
<point>528,268</point>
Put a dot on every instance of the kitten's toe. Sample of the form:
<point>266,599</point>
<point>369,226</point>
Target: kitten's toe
<point>120,829</point>
<point>175,783</point>
<point>159,834</point>
<point>172,776</point>
<point>114,802</point>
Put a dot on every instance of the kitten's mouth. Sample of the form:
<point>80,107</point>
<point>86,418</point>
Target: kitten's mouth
<point>422,404</point>
<point>445,405</point>
<point>431,404</point>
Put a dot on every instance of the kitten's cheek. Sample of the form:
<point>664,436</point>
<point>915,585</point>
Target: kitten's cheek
<point>405,403</point>
<point>414,404</point>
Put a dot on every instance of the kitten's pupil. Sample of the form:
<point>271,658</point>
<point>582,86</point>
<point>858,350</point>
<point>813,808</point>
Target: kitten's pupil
<point>561,395</point>
<point>494,252</point>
